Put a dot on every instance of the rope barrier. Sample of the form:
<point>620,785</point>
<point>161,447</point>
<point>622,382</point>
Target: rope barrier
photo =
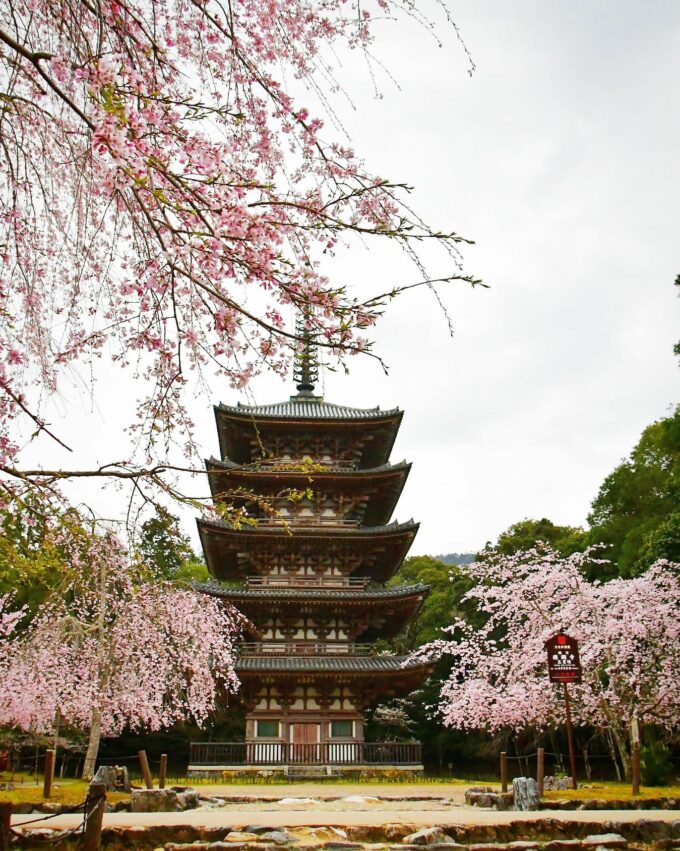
<point>61,834</point>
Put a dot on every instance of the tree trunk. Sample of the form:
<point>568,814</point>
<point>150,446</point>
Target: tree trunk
<point>624,756</point>
<point>612,752</point>
<point>586,763</point>
<point>92,745</point>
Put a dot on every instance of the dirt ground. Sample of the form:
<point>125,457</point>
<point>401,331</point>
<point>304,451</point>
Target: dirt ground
<point>311,805</point>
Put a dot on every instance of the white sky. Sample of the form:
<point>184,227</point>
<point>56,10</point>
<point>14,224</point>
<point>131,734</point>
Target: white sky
<point>559,157</point>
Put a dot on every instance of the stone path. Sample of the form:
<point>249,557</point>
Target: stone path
<point>327,791</point>
<point>237,817</point>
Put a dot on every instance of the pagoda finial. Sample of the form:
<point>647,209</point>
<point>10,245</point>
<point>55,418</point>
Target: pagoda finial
<point>306,362</point>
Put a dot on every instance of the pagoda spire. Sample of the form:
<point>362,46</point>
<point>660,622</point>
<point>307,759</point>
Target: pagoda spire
<point>306,361</point>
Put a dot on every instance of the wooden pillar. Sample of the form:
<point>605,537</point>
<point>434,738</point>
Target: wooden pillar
<point>5,821</point>
<point>540,770</point>
<point>635,765</point>
<point>162,771</point>
<point>92,836</point>
<point>49,773</point>
<point>504,771</point>
<point>146,773</point>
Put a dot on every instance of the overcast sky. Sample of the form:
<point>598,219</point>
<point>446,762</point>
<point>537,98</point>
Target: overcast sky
<point>560,157</point>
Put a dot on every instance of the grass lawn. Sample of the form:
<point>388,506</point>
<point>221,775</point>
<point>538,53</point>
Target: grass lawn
<point>612,792</point>
<point>66,790</point>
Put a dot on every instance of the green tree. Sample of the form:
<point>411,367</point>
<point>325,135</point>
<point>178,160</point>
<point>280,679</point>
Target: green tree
<point>527,533</point>
<point>167,550</point>
<point>32,563</point>
<point>635,513</point>
<point>447,587</point>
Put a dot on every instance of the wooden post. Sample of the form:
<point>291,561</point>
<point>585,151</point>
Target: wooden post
<point>635,765</point>
<point>570,738</point>
<point>162,771</point>
<point>92,837</point>
<point>504,771</point>
<point>146,773</point>
<point>49,773</point>
<point>5,821</point>
<point>540,770</point>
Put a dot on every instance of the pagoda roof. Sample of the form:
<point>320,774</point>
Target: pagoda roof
<point>307,408</point>
<point>379,549</point>
<point>387,610</point>
<point>373,677</point>
<point>322,594</point>
<point>384,483</point>
<point>240,428</point>
<point>363,664</point>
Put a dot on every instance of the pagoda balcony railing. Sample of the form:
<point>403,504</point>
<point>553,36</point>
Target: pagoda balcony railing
<point>224,754</point>
<point>307,581</point>
<point>308,520</point>
<point>300,465</point>
<point>305,648</point>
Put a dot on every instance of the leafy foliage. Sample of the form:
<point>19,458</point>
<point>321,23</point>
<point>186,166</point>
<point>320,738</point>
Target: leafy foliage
<point>167,551</point>
<point>635,513</point>
<point>524,535</point>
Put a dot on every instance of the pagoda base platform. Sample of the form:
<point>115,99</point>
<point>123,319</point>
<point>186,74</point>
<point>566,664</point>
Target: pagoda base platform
<point>325,759</point>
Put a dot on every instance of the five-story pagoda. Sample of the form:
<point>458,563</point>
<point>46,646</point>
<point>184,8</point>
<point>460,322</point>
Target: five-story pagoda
<point>310,577</point>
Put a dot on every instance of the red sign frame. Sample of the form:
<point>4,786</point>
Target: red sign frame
<point>564,663</point>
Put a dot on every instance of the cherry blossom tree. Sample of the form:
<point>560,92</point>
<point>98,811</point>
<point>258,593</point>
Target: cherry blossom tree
<point>166,201</point>
<point>629,642</point>
<point>111,649</point>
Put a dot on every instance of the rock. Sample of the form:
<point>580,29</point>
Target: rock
<point>339,845</point>
<point>114,777</point>
<point>279,836</point>
<point>525,793</point>
<point>653,831</point>
<point>675,829</point>
<point>505,800</point>
<point>604,840</point>
<point>523,845</point>
<point>428,836</point>
<point>328,833</point>
<point>187,846</point>
<point>260,828</point>
<point>188,800</point>
<point>551,783</point>
<point>562,845</point>
<point>397,831</point>
<point>298,802</point>
<point>488,846</point>
<point>153,801</point>
<point>241,836</point>
<point>360,799</point>
<point>480,799</point>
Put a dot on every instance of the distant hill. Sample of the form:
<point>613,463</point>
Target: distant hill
<point>456,558</point>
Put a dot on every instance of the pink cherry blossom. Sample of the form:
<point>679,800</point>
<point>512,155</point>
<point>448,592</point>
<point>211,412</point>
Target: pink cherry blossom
<point>629,641</point>
<point>166,201</point>
<point>112,648</point>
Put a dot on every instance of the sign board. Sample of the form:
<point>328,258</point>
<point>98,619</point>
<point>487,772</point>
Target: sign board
<point>564,665</point>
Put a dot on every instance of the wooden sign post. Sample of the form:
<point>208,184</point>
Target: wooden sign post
<point>564,666</point>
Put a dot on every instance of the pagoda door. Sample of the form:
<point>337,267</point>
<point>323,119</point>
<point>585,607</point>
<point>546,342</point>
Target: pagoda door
<point>305,744</point>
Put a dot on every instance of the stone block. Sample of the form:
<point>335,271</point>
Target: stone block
<point>428,836</point>
<point>279,836</point>
<point>525,793</point>
<point>604,840</point>
<point>562,845</point>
